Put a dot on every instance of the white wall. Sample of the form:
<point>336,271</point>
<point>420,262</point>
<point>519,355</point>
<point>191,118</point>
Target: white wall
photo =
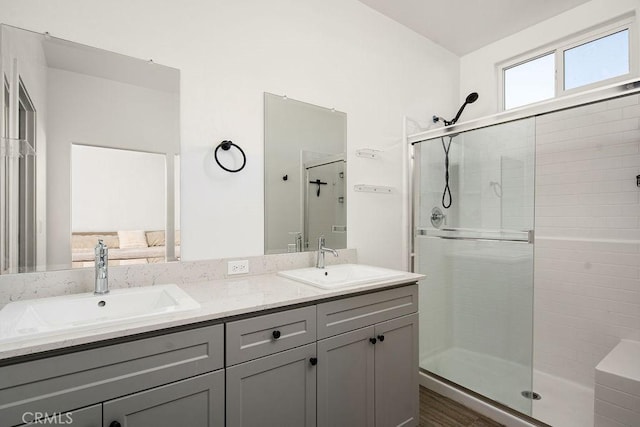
<point>114,190</point>
<point>335,53</point>
<point>478,71</point>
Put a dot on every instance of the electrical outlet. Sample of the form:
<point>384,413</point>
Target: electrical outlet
<point>238,267</point>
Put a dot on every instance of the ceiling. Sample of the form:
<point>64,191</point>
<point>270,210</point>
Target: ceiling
<point>463,26</point>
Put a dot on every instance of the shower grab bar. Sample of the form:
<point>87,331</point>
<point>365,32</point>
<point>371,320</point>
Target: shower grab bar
<point>478,234</point>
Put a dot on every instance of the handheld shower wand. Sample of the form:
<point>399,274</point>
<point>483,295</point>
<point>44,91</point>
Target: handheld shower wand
<point>471,98</point>
<point>447,200</point>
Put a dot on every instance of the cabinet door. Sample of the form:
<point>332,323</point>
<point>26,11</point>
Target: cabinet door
<point>397,392</point>
<point>82,378</point>
<point>277,390</point>
<point>346,380</point>
<point>195,402</point>
<point>90,416</point>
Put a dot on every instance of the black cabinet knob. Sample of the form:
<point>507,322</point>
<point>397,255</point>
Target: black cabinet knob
<point>115,424</point>
<point>276,334</point>
<point>313,361</point>
<point>372,340</point>
<point>380,338</point>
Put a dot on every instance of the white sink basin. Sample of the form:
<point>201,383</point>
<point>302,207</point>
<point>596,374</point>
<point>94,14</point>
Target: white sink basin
<point>341,275</point>
<point>32,318</point>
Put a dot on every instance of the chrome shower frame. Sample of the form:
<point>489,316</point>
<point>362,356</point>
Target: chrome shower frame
<point>456,392</point>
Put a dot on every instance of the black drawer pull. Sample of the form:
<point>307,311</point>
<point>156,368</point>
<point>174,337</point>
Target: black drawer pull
<point>115,424</point>
<point>313,361</point>
<point>372,340</point>
<point>380,338</point>
<point>276,334</point>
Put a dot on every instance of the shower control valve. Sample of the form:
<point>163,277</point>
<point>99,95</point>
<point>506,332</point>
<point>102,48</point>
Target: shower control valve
<point>437,217</point>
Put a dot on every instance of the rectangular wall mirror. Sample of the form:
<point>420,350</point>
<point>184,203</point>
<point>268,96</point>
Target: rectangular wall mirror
<point>305,175</point>
<point>89,150</point>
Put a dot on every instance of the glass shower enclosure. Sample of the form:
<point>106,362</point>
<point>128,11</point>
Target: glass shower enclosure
<point>473,239</point>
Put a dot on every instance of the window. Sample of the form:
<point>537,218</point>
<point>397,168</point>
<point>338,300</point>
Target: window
<point>530,82</point>
<point>600,57</point>
<point>597,60</point>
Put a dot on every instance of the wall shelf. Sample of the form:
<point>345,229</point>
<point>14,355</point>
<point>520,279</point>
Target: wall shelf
<point>368,153</point>
<point>380,189</point>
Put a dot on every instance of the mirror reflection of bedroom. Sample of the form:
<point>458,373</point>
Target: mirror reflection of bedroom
<point>90,150</point>
<point>126,211</point>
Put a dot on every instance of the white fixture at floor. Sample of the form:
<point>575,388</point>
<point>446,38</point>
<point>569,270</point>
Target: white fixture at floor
<point>617,393</point>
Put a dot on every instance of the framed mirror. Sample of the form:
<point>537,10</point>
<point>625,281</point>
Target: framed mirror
<point>305,175</point>
<point>89,150</point>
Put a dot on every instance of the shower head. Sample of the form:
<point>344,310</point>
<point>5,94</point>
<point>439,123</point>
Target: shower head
<point>471,98</point>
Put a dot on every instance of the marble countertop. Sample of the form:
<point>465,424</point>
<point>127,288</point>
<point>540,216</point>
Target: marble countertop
<point>219,299</point>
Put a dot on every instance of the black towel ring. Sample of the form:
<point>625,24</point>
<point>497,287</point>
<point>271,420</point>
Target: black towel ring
<point>226,145</point>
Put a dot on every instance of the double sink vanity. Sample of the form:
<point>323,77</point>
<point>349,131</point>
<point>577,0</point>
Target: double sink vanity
<point>328,347</point>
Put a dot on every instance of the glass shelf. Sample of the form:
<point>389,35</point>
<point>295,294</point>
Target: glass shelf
<point>15,148</point>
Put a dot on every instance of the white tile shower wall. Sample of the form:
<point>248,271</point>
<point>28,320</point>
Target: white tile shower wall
<point>16,287</point>
<point>492,316</point>
<point>496,177</point>
<point>587,252</point>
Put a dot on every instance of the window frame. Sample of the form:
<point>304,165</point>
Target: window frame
<point>559,47</point>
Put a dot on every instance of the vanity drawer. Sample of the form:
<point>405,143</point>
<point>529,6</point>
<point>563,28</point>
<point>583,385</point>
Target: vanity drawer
<point>348,314</point>
<point>68,381</point>
<point>262,335</point>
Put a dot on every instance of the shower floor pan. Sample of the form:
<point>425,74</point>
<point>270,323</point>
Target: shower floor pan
<point>563,404</point>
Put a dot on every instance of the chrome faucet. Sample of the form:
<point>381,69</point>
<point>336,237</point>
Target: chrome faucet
<point>321,251</point>
<point>101,266</point>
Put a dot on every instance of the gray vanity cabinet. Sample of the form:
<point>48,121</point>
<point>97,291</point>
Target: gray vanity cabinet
<point>346,370</point>
<point>396,354</point>
<point>344,362</point>
<point>271,375</point>
<point>277,390</point>
<point>194,402</point>
<point>63,383</point>
<point>369,376</point>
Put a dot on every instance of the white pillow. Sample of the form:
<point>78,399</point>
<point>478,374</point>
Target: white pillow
<point>130,239</point>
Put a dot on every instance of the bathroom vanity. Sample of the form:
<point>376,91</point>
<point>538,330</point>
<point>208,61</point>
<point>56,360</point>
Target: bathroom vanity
<point>314,357</point>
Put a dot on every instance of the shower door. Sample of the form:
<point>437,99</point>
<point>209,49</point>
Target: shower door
<point>473,241</point>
